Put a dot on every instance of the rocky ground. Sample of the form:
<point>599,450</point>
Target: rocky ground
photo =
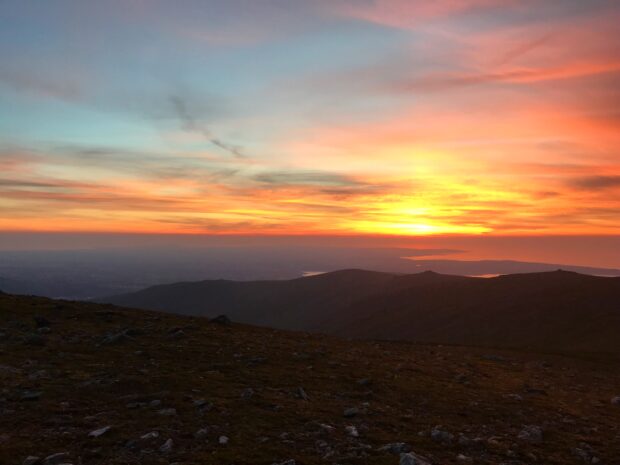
<point>95,384</point>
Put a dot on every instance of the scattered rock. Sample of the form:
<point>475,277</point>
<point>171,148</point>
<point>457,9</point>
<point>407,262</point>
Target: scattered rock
<point>31,460</point>
<point>178,334</point>
<point>301,393</point>
<point>166,446</point>
<point>221,320</point>
<point>531,433</point>
<point>410,458</point>
<point>168,412</point>
<point>55,459</point>
<point>351,412</point>
<point>200,403</point>
<point>327,428</point>
<point>115,338</point>
<point>439,435</point>
<point>99,432</point>
<point>223,440</point>
<point>202,433</point>
<point>352,431</point>
<point>616,400</point>
<point>395,448</point>
<point>247,393</point>
<point>30,395</point>
<point>151,435</point>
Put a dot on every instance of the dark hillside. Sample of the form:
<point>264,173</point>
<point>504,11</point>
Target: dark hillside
<point>97,384</point>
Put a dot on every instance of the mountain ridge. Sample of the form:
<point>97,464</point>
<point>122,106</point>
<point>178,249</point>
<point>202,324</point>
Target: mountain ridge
<point>551,310</point>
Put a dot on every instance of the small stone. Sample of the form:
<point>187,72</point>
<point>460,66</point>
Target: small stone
<point>364,382</point>
<point>412,459</point>
<point>55,459</point>
<point>327,428</point>
<point>532,434</point>
<point>286,462</point>
<point>30,395</point>
<point>155,403</point>
<point>438,435</point>
<point>151,435</point>
<point>301,393</point>
<point>247,393</point>
<point>223,440</point>
<point>166,446</point>
<point>351,412</point>
<point>202,433</point>
<point>352,431</point>
<point>134,405</point>
<point>221,320</point>
<point>115,338</point>
<point>99,432</point>
<point>31,460</point>
<point>616,400</point>
<point>168,412</point>
<point>395,448</point>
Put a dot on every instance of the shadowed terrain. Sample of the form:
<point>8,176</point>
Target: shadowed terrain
<point>551,311</point>
<point>99,384</point>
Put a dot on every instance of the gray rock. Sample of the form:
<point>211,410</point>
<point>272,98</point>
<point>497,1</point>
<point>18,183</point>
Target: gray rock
<point>286,462</point>
<point>531,433</point>
<point>115,338</point>
<point>223,440</point>
<point>352,431</point>
<point>155,403</point>
<point>31,460</point>
<point>247,393</point>
<point>99,432</point>
<point>221,320</point>
<point>301,393</point>
<point>616,400</point>
<point>200,403</point>
<point>439,435</point>
<point>166,446</point>
<point>168,412</point>
<point>202,433</point>
<point>55,459</point>
<point>351,412</point>
<point>30,395</point>
<point>151,435</point>
<point>395,448</point>
<point>413,459</point>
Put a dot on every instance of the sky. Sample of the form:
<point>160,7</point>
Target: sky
<point>317,117</point>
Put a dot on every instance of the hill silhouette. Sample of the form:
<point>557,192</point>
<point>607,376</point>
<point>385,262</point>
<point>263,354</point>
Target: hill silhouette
<point>551,311</point>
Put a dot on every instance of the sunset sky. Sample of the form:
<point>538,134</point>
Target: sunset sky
<point>400,117</point>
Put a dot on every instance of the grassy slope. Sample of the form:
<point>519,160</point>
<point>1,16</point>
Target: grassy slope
<point>86,385</point>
